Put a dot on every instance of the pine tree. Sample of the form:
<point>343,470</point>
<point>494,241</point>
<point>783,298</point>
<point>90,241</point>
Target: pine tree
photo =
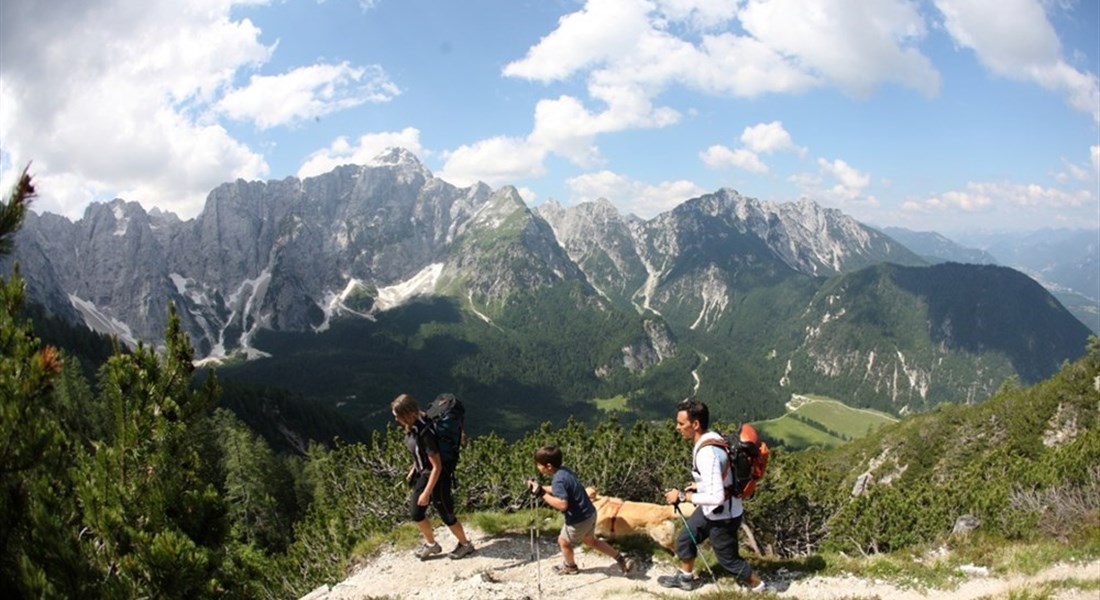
<point>153,519</point>
<point>30,431</point>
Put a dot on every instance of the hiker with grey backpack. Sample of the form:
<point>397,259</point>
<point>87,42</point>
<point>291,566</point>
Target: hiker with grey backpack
<point>718,511</point>
<point>430,477</point>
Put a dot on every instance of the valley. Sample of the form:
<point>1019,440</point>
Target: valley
<point>817,421</point>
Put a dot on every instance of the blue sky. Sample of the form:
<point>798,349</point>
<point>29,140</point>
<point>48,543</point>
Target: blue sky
<point>944,115</point>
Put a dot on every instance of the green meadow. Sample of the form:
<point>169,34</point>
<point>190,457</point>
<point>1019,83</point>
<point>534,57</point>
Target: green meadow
<point>821,421</point>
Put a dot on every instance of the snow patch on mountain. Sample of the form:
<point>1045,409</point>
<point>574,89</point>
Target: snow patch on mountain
<point>337,302</point>
<point>97,320</point>
<point>715,296</point>
<point>122,222</point>
<point>653,278</point>
<point>473,308</point>
<point>186,287</point>
<point>252,292</point>
<point>420,284</point>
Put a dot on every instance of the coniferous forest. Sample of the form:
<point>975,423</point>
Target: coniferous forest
<point>127,473</point>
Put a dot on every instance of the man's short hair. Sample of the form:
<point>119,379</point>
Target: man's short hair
<point>549,455</point>
<point>696,411</point>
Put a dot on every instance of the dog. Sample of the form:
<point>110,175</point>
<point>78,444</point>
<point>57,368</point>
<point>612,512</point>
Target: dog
<point>617,518</point>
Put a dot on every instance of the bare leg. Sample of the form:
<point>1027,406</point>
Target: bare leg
<point>425,527</point>
<point>594,542</point>
<point>459,532</point>
<point>566,551</point>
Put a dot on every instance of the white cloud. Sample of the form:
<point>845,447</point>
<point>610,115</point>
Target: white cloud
<point>768,138</point>
<point>1002,197</point>
<point>631,51</point>
<point>306,93</point>
<point>853,44</point>
<point>632,196</point>
<point>792,45</point>
<point>343,152</point>
<point>849,180</point>
<point>732,65</point>
<point>495,161</point>
<point>1094,154</point>
<point>530,197</point>
<point>849,189</point>
<point>700,14</point>
<point>119,98</point>
<point>972,201</point>
<point>762,138</point>
<point>565,126</point>
<point>718,156</point>
<point>599,32</point>
<point>1021,44</point>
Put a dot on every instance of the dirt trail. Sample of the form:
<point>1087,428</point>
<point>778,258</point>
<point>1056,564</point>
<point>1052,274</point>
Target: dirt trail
<point>503,568</point>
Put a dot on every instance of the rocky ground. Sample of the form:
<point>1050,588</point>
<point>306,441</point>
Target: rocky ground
<point>505,567</point>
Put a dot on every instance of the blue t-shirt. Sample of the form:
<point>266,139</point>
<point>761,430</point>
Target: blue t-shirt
<point>578,506</point>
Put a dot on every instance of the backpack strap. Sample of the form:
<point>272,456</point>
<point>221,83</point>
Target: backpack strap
<point>723,445</point>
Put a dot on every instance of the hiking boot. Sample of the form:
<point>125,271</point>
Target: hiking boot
<point>564,569</point>
<point>680,580</point>
<point>462,551</point>
<point>761,588</point>
<point>425,550</point>
<point>625,563</point>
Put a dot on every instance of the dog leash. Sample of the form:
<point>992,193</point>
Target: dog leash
<point>615,515</point>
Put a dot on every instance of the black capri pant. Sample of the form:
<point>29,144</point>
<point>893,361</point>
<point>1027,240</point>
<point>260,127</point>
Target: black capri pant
<point>442,497</point>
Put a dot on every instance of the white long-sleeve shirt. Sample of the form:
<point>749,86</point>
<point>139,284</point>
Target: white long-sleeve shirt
<point>709,464</point>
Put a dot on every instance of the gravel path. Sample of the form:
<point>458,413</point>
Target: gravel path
<point>504,568</point>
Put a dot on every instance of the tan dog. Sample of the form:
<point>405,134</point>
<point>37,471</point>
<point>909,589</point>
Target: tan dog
<point>616,518</point>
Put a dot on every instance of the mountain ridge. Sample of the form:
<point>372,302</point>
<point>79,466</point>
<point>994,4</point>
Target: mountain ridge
<point>720,288</point>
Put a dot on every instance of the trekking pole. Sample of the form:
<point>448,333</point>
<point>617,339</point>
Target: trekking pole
<point>698,550</point>
<point>536,552</point>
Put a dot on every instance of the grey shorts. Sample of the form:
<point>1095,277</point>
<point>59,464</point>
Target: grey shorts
<point>577,532</point>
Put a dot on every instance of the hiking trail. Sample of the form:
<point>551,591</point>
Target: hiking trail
<point>504,568</point>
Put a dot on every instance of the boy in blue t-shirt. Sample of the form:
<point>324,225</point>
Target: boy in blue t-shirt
<point>565,493</point>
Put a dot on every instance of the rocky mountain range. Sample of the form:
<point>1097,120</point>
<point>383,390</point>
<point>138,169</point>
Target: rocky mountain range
<point>763,297</point>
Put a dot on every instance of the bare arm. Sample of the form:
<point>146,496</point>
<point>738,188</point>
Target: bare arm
<point>553,501</point>
<point>544,492</point>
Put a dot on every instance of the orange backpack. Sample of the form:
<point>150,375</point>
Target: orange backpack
<point>747,456</point>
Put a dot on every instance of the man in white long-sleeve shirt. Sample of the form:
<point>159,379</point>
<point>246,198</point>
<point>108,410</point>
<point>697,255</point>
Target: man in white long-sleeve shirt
<point>717,515</point>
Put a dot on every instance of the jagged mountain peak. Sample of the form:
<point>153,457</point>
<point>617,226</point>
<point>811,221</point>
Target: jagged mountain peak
<point>808,237</point>
<point>499,208</point>
<point>401,159</point>
<point>120,218</point>
<point>585,220</point>
<point>118,208</point>
<point>713,204</point>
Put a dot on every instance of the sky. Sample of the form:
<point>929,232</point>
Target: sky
<point>934,115</point>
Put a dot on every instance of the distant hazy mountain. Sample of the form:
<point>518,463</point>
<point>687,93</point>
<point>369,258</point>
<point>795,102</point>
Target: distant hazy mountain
<point>1063,259</point>
<point>936,248</point>
<point>1066,262</point>
<point>369,280</point>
